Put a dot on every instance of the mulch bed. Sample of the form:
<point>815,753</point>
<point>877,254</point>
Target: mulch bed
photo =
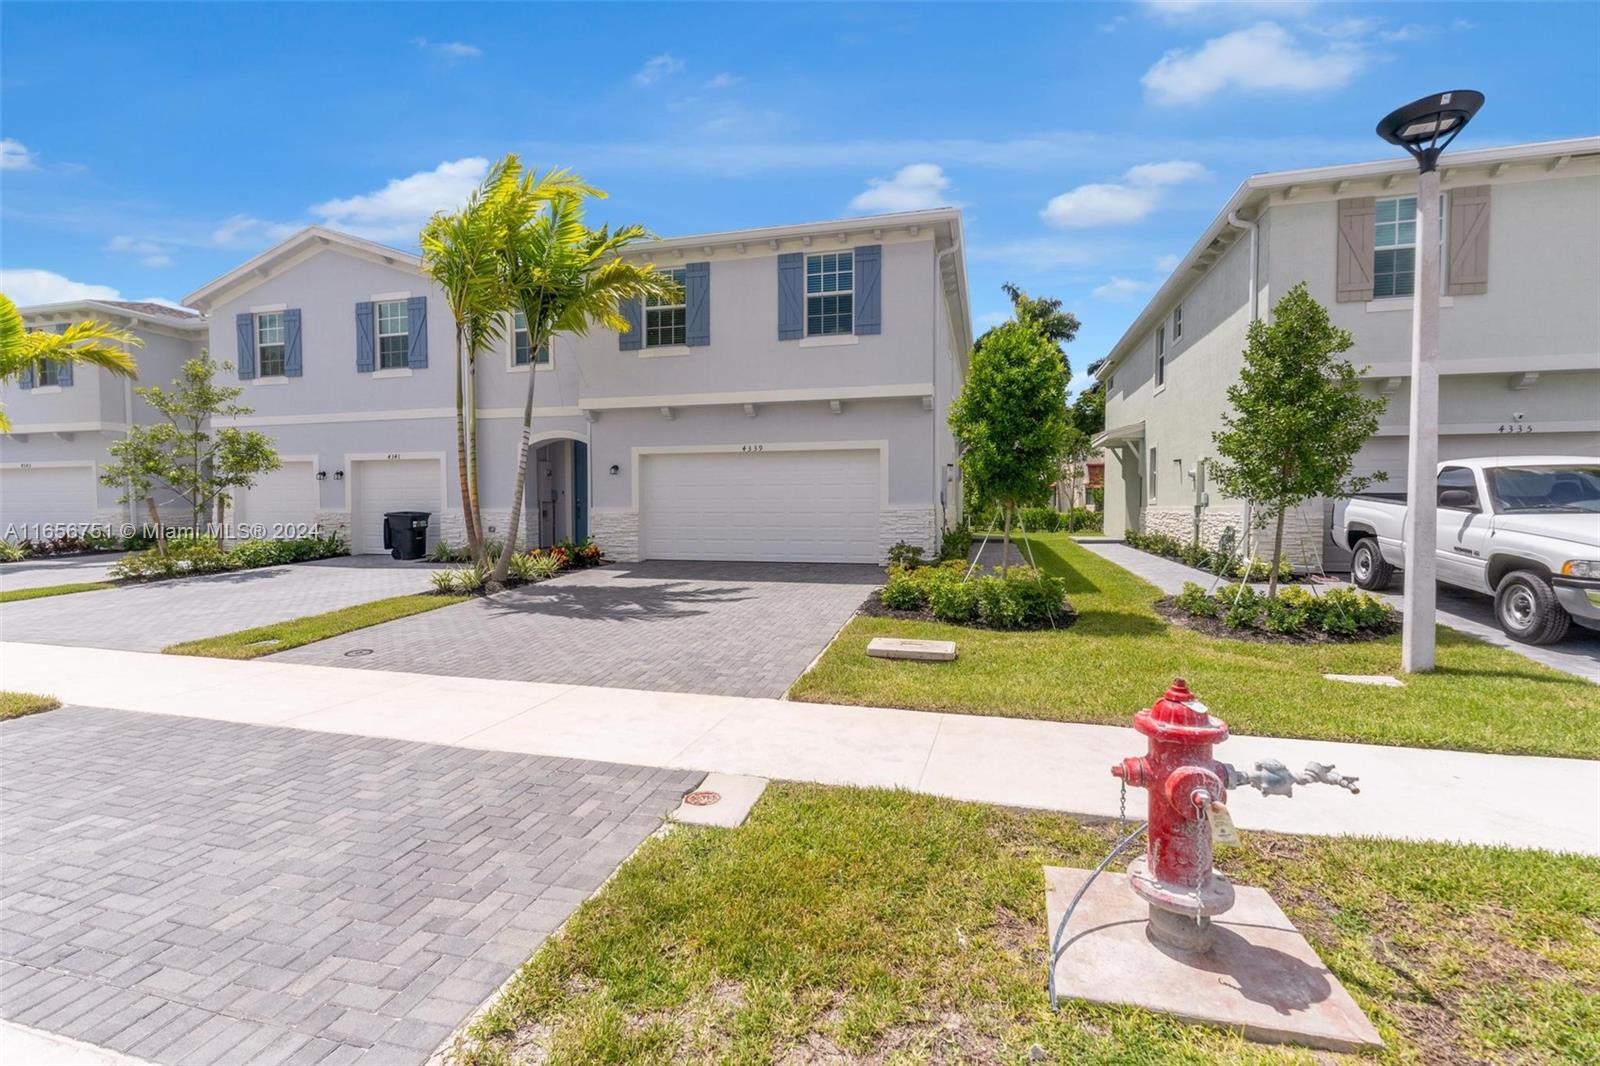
<point>873,607</point>
<point>1168,608</point>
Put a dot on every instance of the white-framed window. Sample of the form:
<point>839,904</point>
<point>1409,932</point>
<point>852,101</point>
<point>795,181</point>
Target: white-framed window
<point>1155,474</point>
<point>1394,247</point>
<point>1161,356</point>
<point>1177,322</point>
<point>269,344</point>
<point>666,318</point>
<point>47,373</point>
<point>520,342</point>
<point>394,335</point>
<point>830,293</point>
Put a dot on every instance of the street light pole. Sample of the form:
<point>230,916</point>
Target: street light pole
<point>1422,478</point>
<point>1425,128</point>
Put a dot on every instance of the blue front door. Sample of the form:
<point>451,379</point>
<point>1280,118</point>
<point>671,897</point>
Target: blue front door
<point>580,491</point>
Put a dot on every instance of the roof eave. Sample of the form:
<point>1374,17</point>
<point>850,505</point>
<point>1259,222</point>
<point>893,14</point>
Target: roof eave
<point>208,295</point>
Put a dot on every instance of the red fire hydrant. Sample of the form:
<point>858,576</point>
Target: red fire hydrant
<point>1187,789</point>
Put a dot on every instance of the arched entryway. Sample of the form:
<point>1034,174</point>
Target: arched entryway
<point>557,493</point>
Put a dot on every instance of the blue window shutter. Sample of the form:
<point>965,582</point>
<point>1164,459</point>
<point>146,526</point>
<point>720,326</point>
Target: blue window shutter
<point>633,338</point>
<point>365,331</point>
<point>791,296</point>
<point>417,319</point>
<point>64,366</point>
<point>291,343</point>
<point>25,380</point>
<point>697,298</point>
<point>869,289</point>
<point>246,326</point>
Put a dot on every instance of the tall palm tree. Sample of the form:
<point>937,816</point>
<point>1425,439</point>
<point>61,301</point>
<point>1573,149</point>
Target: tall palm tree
<point>91,343</point>
<point>565,278</point>
<point>459,253</point>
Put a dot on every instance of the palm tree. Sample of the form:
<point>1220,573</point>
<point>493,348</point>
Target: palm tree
<point>459,254</point>
<point>565,278</point>
<point>92,343</point>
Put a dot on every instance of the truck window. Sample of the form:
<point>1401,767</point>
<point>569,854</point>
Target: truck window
<point>1459,477</point>
<point>1525,489</point>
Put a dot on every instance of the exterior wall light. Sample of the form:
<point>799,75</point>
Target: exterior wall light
<point>615,469</point>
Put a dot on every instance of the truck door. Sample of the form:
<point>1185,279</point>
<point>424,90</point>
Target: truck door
<point>1463,529</point>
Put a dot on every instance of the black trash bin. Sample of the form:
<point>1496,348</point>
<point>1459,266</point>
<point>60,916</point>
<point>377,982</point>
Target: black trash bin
<point>405,533</point>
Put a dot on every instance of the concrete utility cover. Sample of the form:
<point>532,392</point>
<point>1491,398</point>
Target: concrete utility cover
<point>1261,978</point>
<point>1382,680</point>
<point>927,651</point>
<point>722,800</point>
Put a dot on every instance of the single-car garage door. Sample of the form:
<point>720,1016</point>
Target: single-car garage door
<point>281,504</point>
<point>39,501</point>
<point>794,506</point>
<point>382,485</point>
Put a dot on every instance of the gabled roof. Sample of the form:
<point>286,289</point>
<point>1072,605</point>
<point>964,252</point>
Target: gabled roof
<point>1256,189</point>
<point>179,318</point>
<point>256,270</point>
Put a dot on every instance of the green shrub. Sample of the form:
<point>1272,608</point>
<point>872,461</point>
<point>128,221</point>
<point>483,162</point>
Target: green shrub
<point>955,544</point>
<point>10,553</point>
<point>905,555</point>
<point>444,553</point>
<point>1197,601</point>
<point>1283,618</point>
<point>520,566</point>
<point>1241,606</point>
<point>1041,520</point>
<point>197,556</point>
<point>1024,598</point>
<point>954,601</point>
<point>253,553</point>
<point>444,581</point>
<point>903,592</point>
<point>472,578</point>
<point>545,567</point>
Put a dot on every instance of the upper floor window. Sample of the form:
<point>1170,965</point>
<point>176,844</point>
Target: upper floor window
<point>1394,247</point>
<point>521,343</point>
<point>1177,322</point>
<point>269,344</point>
<point>1161,340</point>
<point>830,293</point>
<point>1161,371</point>
<point>394,335</point>
<point>46,372</point>
<point>666,317</point>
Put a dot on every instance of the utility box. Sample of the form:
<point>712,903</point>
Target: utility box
<point>405,533</point>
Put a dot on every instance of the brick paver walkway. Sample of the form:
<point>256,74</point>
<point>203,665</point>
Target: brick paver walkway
<point>730,629</point>
<point>149,617</point>
<point>201,892</point>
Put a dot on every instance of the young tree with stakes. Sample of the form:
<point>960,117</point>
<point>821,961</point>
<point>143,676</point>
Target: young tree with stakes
<point>1299,416</point>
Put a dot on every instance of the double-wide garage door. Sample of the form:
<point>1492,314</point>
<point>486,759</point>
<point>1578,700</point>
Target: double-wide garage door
<point>779,506</point>
<point>37,499</point>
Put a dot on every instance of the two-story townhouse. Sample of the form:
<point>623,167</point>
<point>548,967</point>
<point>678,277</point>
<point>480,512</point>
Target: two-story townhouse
<point>792,407</point>
<point>63,419</point>
<point>1519,350</point>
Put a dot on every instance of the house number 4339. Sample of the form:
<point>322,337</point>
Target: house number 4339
<point>753,448</point>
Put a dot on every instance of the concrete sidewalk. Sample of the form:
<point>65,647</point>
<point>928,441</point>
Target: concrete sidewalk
<point>1463,611</point>
<point>1523,801</point>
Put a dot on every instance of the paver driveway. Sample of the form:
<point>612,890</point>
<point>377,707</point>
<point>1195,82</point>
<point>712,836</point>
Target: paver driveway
<point>201,892</point>
<point>65,570</point>
<point>731,629</point>
<point>149,617</point>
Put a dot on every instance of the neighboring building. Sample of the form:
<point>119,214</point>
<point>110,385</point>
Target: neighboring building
<point>1519,344</point>
<point>1076,481</point>
<point>63,420</point>
<point>793,408</point>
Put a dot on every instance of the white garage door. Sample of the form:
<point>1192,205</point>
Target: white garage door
<point>797,506</point>
<point>281,504</point>
<point>36,500</point>
<point>381,485</point>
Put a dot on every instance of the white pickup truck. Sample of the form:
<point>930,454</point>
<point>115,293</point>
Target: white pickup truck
<point>1525,530</point>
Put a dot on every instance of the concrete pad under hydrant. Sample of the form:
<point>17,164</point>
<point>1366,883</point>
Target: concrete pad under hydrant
<point>925,651</point>
<point>1260,978</point>
<point>722,800</point>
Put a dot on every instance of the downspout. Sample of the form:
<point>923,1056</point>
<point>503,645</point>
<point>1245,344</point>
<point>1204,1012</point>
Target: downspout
<point>1255,316</point>
<point>941,483</point>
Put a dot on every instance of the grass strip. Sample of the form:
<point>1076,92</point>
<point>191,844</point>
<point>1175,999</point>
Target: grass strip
<point>281,636</point>
<point>17,704</point>
<point>853,925</point>
<point>16,595</point>
<point>1120,655</point>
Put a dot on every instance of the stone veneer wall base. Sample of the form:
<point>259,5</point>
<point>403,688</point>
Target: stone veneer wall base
<point>617,533</point>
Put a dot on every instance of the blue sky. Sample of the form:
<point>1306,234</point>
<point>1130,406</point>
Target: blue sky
<point>149,148</point>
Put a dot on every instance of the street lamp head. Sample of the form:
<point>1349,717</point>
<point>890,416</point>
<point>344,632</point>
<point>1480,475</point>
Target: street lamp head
<point>1426,127</point>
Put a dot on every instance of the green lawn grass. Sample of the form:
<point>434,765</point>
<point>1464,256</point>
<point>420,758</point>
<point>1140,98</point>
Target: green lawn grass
<point>17,704</point>
<point>281,636</point>
<point>877,926</point>
<point>14,595</point>
<point>1121,655</point>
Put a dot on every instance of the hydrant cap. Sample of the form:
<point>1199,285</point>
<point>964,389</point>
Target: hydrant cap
<point>1178,713</point>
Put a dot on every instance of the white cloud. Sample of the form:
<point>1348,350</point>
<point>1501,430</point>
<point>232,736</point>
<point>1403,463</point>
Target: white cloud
<point>14,155</point>
<point>1261,57</point>
<point>399,209</point>
<point>1179,12</point>
<point>913,188</point>
<point>724,81</point>
<point>1119,289</point>
<point>1166,264</point>
<point>238,231</point>
<point>150,253</point>
<point>449,49</point>
<point>656,68</point>
<point>1107,204</point>
<point>29,287</point>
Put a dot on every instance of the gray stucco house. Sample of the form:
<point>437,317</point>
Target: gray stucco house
<point>793,408</point>
<point>1519,327</point>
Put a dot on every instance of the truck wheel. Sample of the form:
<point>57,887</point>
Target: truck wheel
<point>1526,608</point>
<point>1367,567</point>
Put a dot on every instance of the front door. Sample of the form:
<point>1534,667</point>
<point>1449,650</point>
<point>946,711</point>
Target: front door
<point>544,488</point>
